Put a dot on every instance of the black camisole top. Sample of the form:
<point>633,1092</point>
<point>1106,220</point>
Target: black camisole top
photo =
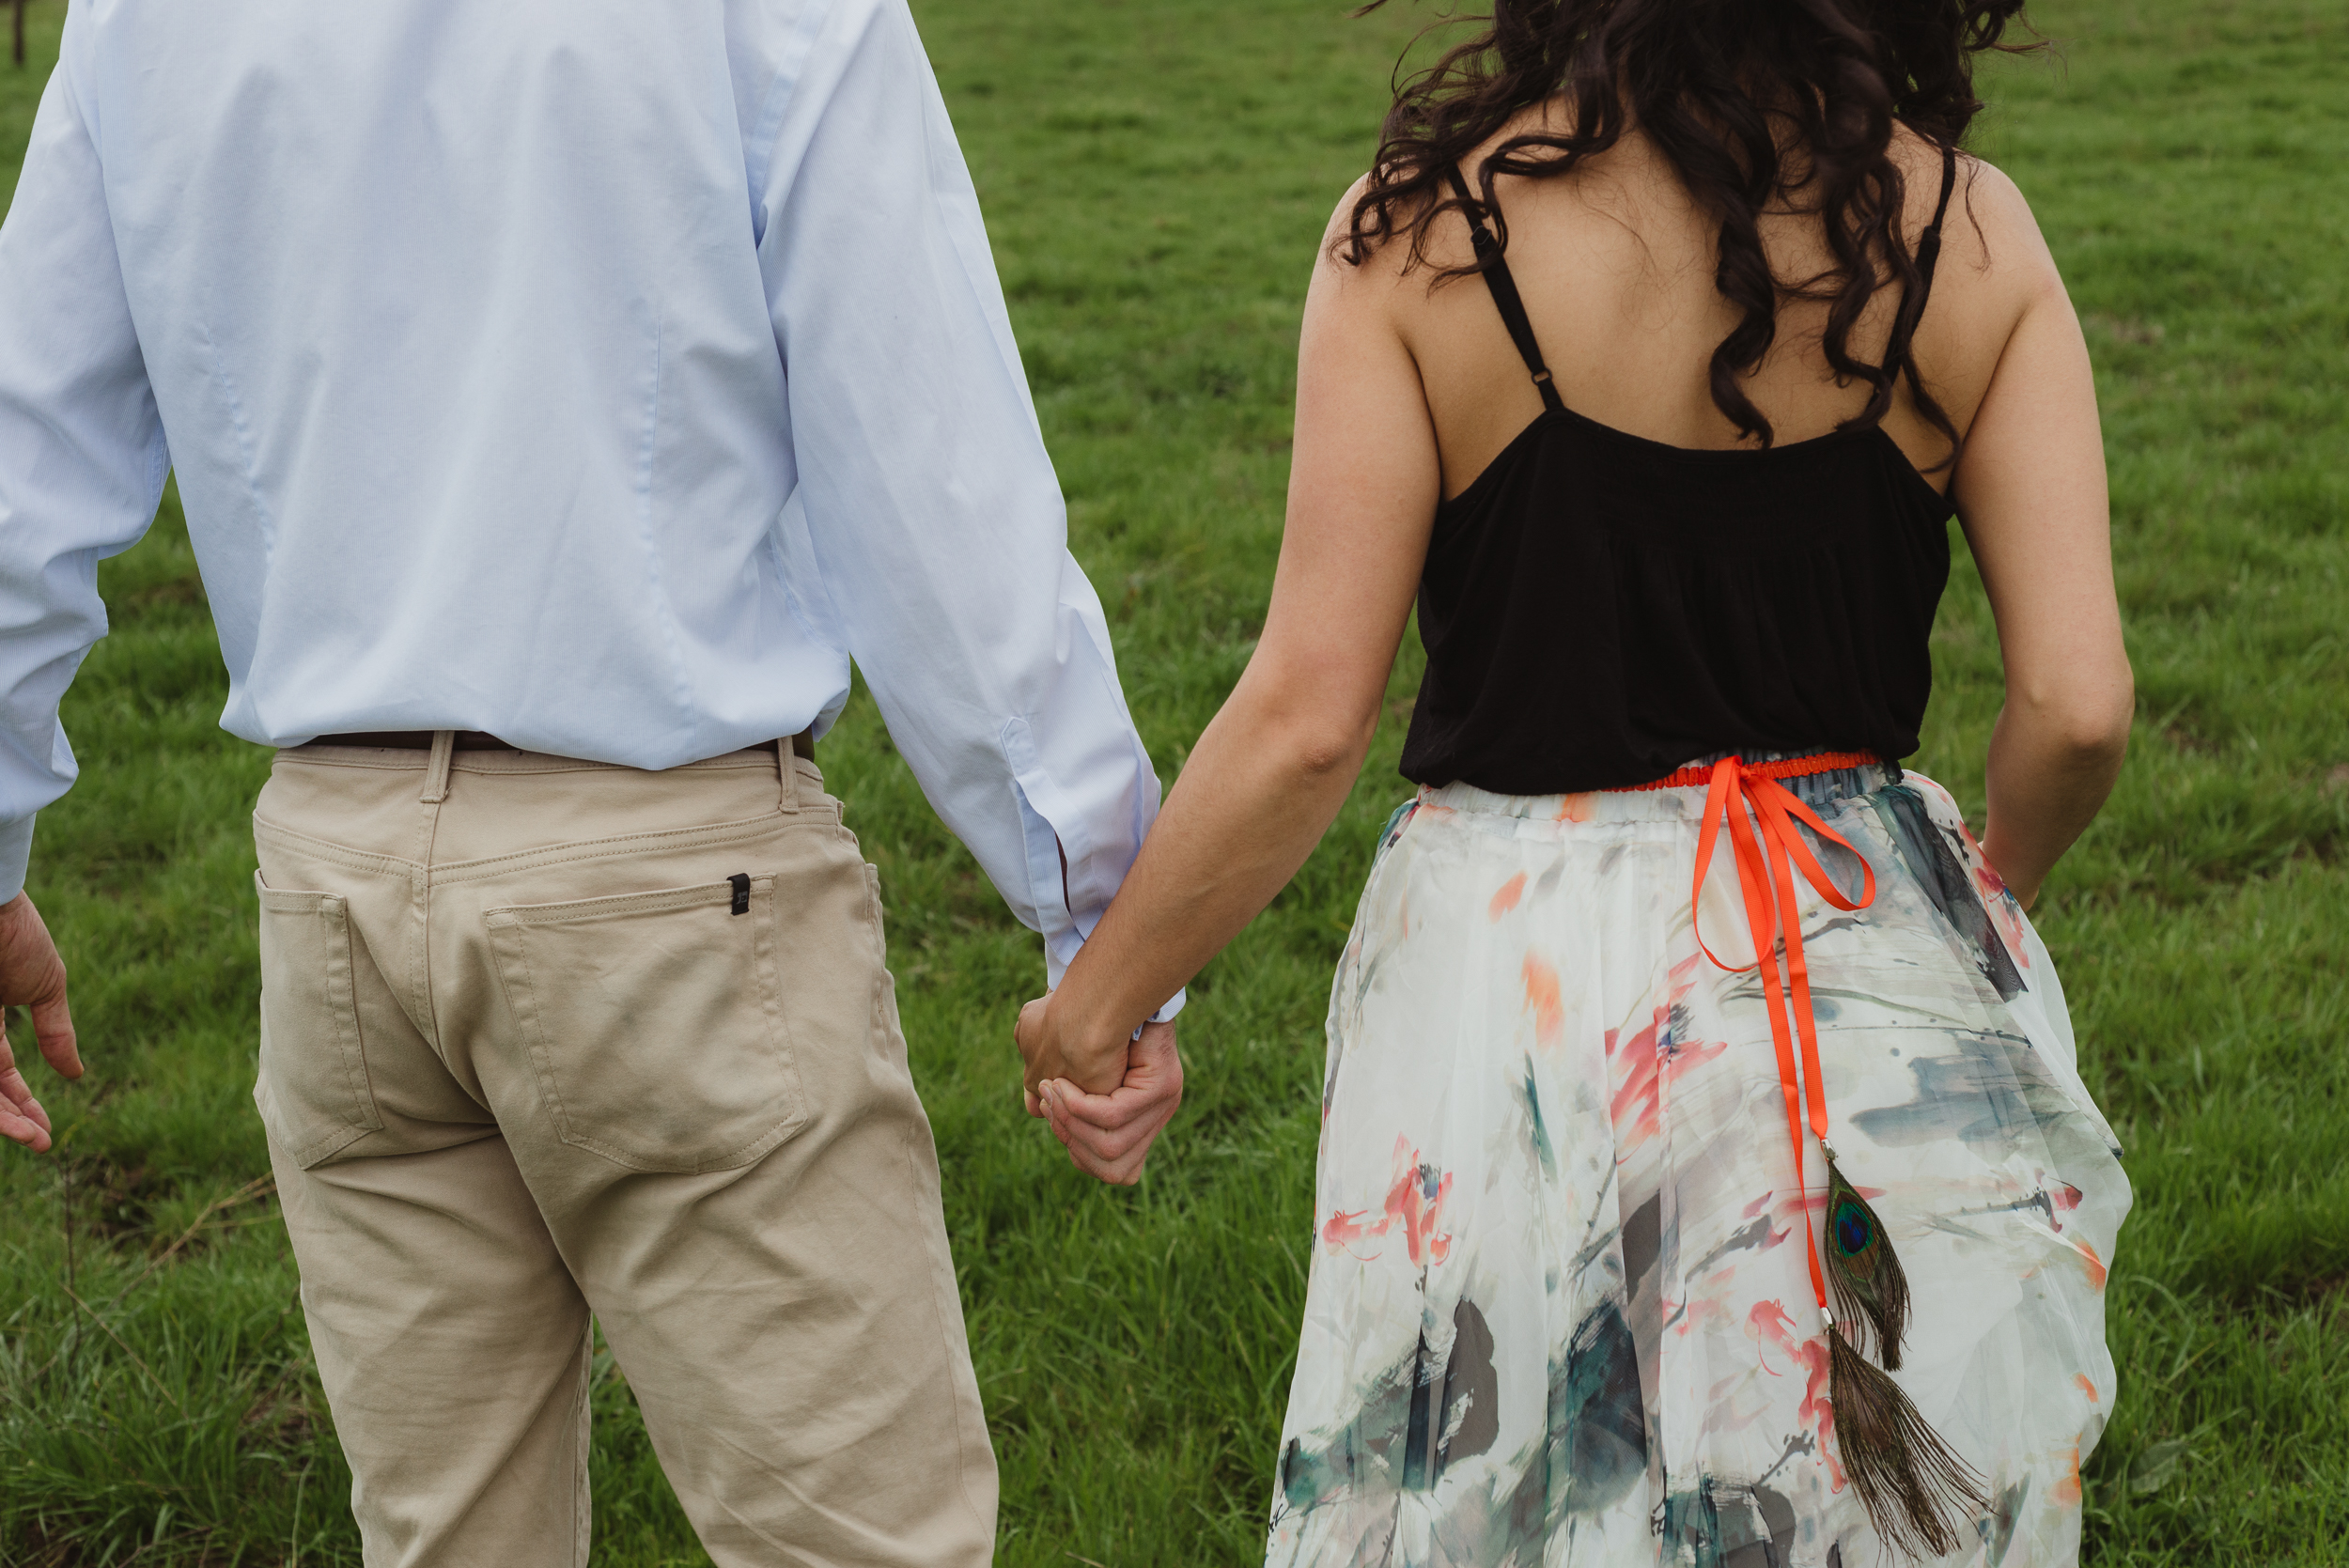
<point>1600,609</point>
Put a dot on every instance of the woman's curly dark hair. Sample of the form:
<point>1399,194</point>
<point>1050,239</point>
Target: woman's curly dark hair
<point>1715,86</point>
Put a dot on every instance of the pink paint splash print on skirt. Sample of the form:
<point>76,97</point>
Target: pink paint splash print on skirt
<point>1559,1311</point>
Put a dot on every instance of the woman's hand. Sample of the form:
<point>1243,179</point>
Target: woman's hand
<point>1051,1049</point>
<point>1107,1135</point>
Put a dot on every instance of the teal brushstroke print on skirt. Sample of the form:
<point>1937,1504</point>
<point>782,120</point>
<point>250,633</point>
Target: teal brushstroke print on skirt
<point>1559,1313</point>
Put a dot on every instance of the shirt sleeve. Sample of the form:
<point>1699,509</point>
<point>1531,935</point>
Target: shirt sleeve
<point>82,453</point>
<point>926,533</point>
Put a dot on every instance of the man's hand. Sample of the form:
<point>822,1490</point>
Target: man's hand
<point>1109,1135</point>
<point>32,976</point>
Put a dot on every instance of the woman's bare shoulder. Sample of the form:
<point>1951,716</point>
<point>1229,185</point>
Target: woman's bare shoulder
<point>1388,250</point>
<point>1995,269</point>
<point>1337,242</point>
<point>1370,271</point>
<point>1990,238</point>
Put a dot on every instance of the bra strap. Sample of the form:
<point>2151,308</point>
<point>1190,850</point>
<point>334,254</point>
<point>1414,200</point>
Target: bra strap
<point>1505,297</point>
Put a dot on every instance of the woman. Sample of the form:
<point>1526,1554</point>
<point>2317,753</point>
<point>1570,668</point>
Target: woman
<point>1704,1174</point>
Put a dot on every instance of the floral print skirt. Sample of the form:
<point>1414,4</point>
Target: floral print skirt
<point>1560,1312</point>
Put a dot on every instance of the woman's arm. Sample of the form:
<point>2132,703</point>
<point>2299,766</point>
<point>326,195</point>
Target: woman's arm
<point>2030,491</point>
<point>1272,768</point>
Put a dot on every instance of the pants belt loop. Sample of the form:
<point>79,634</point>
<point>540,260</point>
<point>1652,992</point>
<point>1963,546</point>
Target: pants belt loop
<point>436,772</point>
<point>787,769</point>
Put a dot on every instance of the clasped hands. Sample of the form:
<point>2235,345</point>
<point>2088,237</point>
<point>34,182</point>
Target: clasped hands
<point>1106,1094</point>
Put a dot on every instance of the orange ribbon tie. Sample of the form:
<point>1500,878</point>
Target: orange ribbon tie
<point>1767,861</point>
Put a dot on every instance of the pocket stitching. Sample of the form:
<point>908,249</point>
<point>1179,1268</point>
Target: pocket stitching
<point>656,901</point>
<point>342,1006</point>
<point>344,977</point>
<point>266,832</point>
<point>508,923</point>
<point>770,963</point>
<point>711,835</point>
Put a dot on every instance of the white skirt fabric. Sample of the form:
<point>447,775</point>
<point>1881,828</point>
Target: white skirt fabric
<point>1560,1312</point>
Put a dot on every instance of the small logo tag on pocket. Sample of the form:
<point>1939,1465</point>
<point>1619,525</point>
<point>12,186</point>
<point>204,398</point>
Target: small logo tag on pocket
<point>740,881</point>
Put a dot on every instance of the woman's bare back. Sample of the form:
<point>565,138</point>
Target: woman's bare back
<point>1616,266</point>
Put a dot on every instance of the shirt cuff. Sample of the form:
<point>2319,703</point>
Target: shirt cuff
<point>16,854</point>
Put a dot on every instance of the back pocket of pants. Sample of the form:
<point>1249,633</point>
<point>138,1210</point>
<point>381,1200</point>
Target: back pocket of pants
<point>656,1023</point>
<point>313,1094</point>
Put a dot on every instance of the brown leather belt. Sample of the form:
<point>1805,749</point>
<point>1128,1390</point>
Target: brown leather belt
<point>477,740</point>
<point>414,740</point>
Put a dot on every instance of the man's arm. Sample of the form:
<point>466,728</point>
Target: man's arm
<point>926,534</point>
<point>81,467</point>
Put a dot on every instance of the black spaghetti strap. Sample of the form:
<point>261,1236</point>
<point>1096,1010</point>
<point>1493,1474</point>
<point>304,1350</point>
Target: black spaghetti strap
<point>1929,242</point>
<point>1505,297</point>
<point>1900,354</point>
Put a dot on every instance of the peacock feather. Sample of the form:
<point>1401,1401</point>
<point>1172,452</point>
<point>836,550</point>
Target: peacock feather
<point>1917,1491</point>
<point>1862,1270</point>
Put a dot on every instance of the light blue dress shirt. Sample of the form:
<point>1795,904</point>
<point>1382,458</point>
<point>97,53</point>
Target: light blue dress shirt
<point>601,374</point>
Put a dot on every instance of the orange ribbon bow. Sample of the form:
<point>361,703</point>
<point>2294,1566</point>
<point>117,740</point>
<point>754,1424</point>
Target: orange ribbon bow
<point>1744,797</point>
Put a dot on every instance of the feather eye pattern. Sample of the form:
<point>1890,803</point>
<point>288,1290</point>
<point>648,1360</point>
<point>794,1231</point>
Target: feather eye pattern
<point>1862,1270</point>
<point>1915,1487</point>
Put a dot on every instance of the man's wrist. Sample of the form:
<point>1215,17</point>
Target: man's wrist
<point>16,853</point>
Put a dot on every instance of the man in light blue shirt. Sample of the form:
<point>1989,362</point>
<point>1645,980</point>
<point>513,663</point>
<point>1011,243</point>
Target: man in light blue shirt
<point>562,393</point>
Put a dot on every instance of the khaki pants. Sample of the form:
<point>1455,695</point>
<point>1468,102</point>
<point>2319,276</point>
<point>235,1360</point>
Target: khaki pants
<point>543,1038</point>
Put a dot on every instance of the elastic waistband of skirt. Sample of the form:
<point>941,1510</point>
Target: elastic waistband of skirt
<point>1699,775</point>
<point>1817,778</point>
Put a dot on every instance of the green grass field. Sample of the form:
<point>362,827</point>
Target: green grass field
<point>1156,177</point>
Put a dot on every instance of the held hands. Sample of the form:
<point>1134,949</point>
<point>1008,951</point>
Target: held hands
<point>31,976</point>
<point>1106,1103</point>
